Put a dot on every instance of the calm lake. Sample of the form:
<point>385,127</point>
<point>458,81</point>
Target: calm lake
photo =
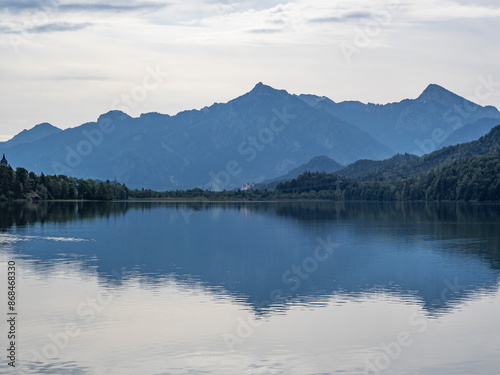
<point>252,288</point>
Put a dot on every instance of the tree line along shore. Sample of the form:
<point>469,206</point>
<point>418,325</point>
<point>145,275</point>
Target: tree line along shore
<point>474,179</point>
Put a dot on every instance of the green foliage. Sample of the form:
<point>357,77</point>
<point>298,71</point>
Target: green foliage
<point>373,169</point>
<point>21,184</point>
<point>476,178</point>
<point>406,166</point>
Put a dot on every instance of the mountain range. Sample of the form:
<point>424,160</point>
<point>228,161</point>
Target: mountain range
<point>418,126</point>
<point>259,136</point>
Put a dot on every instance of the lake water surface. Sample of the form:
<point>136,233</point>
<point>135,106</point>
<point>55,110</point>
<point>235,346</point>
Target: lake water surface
<point>253,288</point>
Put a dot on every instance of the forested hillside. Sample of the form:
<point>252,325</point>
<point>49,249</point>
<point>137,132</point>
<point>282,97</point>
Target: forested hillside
<point>404,166</point>
<point>476,178</point>
<point>21,184</point>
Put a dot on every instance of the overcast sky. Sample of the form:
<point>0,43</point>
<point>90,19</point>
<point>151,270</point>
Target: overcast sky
<point>68,61</point>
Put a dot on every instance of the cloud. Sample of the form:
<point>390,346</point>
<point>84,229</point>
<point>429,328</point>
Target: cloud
<point>76,77</point>
<point>51,16</point>
<point>55,5</point>
<point>47,28</point>
<point>264,31</point>
<point>5,30</point>
<point>57,27</point>
<point>98,7</point>
<point>19,5</point>
<point>450,11</point>
<point>354,15</point>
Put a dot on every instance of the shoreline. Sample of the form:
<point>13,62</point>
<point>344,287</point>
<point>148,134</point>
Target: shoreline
<point>182,200</point>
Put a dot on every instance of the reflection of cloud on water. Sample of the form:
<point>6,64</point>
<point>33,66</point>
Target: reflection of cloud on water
<point>7,238</point>
<point>185,323</point>
<point>65,239</point>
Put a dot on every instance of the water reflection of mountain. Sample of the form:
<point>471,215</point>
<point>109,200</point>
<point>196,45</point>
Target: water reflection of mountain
<point>439,254</point>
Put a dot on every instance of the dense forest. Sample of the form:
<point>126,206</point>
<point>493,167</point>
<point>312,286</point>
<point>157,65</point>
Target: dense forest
<point>21,184</point>
<point>404,166</point>
<point>476,178</point>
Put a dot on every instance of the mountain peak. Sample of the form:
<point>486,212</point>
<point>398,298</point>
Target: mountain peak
<point>45,125</point>
<point>113,116</point>
<point>35,133</point>
<point>260,88</point>
<point>260,92</point>
<point>434,92</point>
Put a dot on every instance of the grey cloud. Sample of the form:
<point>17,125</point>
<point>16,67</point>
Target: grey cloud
<point>112,7</point>
<point>277,22</point>
<point>46,28</point>
<point>28,5</point>
<point>229,2</point>
<point>356,15</point>
<point>20,5</point>
<point>34,5</point>
<point>76,78</point>
<point>5,30</point>
<point>57,27</point>
<point>264,31</point>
